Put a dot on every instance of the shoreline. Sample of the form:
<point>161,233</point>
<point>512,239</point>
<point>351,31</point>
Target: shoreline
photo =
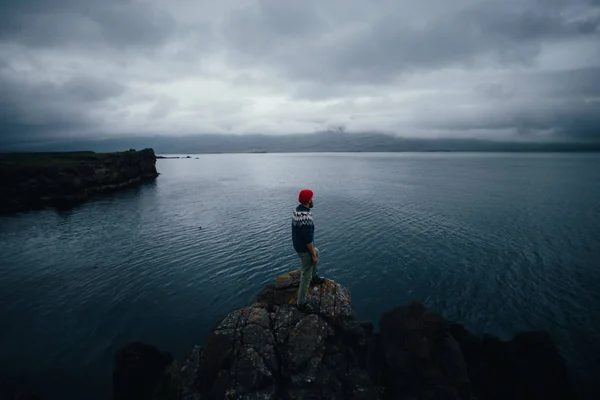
<point>34,181</point>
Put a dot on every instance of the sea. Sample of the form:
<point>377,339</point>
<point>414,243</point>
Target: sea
<point>498,242</point>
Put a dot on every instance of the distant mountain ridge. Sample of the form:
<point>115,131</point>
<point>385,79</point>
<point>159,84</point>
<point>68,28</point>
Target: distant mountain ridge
<point>317,142</point>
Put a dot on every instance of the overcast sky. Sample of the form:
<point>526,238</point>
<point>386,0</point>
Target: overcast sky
<point>499,69</point>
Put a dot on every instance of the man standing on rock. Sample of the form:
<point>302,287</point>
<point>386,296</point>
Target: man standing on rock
<point>303,230</point>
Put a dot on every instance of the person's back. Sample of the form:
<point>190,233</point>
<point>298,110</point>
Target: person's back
<point>303,229</point>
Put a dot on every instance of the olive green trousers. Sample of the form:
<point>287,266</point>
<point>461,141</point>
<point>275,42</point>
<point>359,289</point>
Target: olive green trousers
<point>307,272</point>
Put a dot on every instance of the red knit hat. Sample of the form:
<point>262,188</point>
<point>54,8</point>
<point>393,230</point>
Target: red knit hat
<point>305,196</point>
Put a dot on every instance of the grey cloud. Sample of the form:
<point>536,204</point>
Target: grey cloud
<point>566,119</point>
<point>578,83</point>
<point>86,89</point>
<point>162,107</point>
<point>391,43</point>
<point>112,23</point>
<point>404,67</point>
<point>44,108</point>
<point>530,24</point>
<point>561,84</point>
<point>562,118</point>
<point>135,24</point>
<point>75,90</point>
<point>495,90</point>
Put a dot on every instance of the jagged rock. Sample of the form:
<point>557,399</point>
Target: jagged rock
<point>526,367</point>
<point>254,353</point>
<point>305,339</point>
<point>139,369</point>
<point>421,357</point>
<point>271,350</point>
<point>182,382</point>
<point>540,366</point>
<point>330,299</point>
<point>34,181</point>
<point>283,291</point>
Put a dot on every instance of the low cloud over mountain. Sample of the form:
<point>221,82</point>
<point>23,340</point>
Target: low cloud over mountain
<point>510,70</point>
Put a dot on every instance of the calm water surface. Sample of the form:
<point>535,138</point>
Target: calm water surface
<point>499,242</point>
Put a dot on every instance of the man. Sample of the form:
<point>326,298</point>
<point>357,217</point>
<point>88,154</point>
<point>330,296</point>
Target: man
<point>303,229</point>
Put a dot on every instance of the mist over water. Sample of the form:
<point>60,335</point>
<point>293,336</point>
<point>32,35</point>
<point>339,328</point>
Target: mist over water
<point>498,242</point>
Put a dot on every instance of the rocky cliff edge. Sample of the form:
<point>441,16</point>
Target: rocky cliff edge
<point>31,181</point>
<point>271,350</point>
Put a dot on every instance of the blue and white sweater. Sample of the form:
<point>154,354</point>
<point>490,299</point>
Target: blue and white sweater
<point>303,228</point>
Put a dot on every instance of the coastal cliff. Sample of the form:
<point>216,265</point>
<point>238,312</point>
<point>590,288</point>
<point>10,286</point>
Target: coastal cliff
<point>31,181</point>
<point>271,350</point>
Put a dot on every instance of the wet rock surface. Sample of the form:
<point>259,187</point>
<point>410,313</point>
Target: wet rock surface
<point>271,350</point>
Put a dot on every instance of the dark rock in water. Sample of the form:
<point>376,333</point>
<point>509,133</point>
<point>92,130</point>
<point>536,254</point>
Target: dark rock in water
<point>188,157</point>
<point>421,358</point>
<point>182,381</point>
<point>527,367</point>
<point>37,180</point>
<point>139,369</point>
<point>538,363</point>
<point>271,350</point>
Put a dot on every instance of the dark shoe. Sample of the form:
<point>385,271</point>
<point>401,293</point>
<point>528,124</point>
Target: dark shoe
<point>306,308</point>
<point>317,280</point>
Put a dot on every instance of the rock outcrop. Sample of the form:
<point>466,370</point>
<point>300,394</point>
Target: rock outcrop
<point>138,367</point>
<point>38,180</point>
<point>271,350</point>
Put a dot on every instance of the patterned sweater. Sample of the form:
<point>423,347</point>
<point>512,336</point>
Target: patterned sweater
<point>303,228</point>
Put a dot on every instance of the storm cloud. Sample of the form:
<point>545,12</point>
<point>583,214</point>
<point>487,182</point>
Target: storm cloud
<point>500,70</point>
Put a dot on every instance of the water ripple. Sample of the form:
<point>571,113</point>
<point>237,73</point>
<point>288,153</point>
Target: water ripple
<point>495,250</point>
